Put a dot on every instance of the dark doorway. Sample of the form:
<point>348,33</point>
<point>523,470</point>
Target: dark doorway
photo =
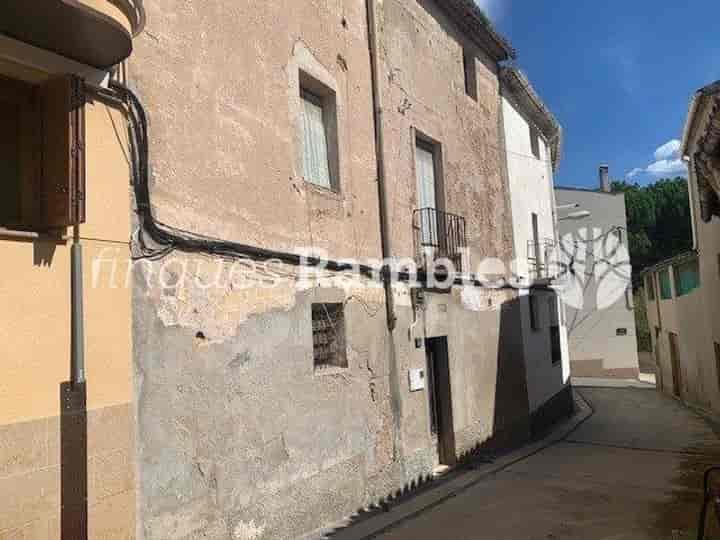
<point>440,394</point>
<point>675,360</point>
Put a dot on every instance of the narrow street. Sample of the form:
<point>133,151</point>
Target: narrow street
<point>633,470</point>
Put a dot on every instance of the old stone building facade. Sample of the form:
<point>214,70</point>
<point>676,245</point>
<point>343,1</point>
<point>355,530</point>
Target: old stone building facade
<point>261,360</point>
<point>240,428</point>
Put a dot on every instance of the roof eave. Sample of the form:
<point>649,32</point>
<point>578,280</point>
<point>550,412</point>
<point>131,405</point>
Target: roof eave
<point>531,102</point>
<point>473,21</point>
<point>695,104</point>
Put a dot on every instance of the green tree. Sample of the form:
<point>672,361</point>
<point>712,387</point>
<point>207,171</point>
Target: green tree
<point>659,225</point>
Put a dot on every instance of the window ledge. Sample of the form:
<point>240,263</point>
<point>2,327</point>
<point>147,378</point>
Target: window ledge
<point>331,370</point>
<point>328,193</point>
<point>13,234</point>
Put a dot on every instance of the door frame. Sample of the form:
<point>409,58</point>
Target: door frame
<point>440,398</point>
<point>673,340</point>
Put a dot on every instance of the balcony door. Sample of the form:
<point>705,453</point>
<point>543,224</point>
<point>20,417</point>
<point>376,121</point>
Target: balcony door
<point>426,171</point>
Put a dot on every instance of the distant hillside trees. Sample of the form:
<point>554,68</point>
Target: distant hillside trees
<point>659,224</point>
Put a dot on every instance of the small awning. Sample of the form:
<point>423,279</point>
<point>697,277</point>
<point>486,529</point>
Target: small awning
<point>69,29</point>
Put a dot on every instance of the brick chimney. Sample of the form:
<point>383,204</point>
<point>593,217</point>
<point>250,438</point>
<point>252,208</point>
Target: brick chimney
<point>605,179</point>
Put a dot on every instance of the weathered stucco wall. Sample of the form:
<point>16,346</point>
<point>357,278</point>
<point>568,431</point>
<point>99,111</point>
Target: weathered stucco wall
<point>424,94</point>
<point>239,436</point>
<point>220,82</point>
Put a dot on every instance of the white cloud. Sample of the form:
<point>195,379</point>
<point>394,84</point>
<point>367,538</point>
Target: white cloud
<point>667,167</point>
<point>667,163</point>
<point>669,150</point>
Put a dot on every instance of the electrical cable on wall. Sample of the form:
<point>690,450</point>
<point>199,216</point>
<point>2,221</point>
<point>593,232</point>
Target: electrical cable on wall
<point>168,238</point>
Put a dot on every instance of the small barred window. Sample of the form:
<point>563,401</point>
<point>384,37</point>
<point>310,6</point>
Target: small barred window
<point>328,325</point>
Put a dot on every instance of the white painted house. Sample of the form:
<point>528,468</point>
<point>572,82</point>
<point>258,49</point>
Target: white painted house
<point>533,140</point>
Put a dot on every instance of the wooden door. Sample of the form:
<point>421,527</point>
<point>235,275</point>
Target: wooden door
<point>440,393</point>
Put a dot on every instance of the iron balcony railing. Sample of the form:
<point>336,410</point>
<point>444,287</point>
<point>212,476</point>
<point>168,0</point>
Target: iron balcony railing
<point>541,257</point>
<point>439,235</point>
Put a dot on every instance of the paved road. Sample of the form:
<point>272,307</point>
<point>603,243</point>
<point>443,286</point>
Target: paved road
<point>632,471</point>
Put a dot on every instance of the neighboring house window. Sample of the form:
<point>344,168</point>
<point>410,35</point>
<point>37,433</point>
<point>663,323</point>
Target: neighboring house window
<point>665,284</point>
<point>687,277</point>
<point>650,287</point>
<point>534,141</point>
<point>42,159</point>
<point>319,133</point>
<point>470,74</point>
<point>328,328</point>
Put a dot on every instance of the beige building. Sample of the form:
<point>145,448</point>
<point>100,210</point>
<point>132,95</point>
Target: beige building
<point>252,370</point>
<point>66,435</point>
<point>682,293</point>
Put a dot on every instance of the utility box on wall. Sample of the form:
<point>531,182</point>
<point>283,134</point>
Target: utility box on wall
<point>417,379</point>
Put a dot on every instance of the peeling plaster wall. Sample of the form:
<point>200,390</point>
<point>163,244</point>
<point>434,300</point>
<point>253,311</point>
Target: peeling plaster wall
<point>239,437</point>
<point>424,93</point>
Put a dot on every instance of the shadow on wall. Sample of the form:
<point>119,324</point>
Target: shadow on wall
<point>44,252</point>
<point>73,461</point>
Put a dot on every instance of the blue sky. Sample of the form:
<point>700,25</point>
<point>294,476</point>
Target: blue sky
<point>618,74</point>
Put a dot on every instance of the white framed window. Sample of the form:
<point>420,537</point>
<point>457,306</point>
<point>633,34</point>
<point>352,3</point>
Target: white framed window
<point>316,165</point>
<point>318,126</point>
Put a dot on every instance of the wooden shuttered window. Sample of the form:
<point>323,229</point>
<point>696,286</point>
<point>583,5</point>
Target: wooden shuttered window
<point>42,154</point>
<point>59,191</point>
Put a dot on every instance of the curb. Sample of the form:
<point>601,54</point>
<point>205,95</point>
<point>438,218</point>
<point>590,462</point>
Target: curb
<point>380,521</point>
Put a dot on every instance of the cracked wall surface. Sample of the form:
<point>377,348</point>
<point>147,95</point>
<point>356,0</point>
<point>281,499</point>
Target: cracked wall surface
<point>239,437</point>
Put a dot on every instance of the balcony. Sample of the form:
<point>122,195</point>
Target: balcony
<point>542,259</point>
<point>439,235</point>
<point>96,33</point>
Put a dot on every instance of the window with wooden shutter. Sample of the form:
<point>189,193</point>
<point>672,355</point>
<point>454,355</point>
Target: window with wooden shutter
<point>20,156</point>
<point>42,157</point>
<point>60,191</point>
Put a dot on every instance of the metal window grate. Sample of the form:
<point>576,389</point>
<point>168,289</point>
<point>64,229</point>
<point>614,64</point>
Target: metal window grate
<point>328,326</point>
